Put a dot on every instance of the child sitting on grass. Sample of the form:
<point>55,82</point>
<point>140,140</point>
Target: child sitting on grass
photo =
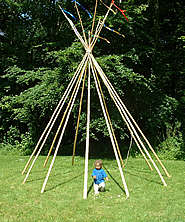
<point>99,175</point>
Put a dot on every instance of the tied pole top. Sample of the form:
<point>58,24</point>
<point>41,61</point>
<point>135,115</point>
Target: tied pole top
<point>89,50</point>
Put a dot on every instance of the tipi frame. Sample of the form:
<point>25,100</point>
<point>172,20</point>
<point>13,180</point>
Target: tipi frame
<point>87,68</point>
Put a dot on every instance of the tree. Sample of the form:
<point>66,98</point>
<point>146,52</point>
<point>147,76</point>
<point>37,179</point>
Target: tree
<point>40,54</point>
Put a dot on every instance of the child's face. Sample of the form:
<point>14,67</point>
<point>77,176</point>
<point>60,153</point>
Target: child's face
<point>98,166</point>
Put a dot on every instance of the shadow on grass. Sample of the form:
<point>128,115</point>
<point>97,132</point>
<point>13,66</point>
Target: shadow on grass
<point>33,180</point>
<point>137,169</point>
<point>68,181</point>
<point>44,171</point>
<point>135,174</point>
<point>142,177</point>
<point>57,174</point>
<point>14,174</point>
<point>115,181</point>
<point>90,188</point>
<point>63,183</point>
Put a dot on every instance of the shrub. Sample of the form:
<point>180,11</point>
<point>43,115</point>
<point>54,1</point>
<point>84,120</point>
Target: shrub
<point>172,148</point>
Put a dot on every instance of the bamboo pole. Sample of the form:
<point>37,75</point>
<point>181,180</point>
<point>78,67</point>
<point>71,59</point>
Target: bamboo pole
<point>87,139</point>
<point>146,140</point>
<point>108,7</point>
<point>144,137</point>
<point>126,116</point>
<point>129,129</point>
<point>74,29</point>
<point>94,16</point>
<point>112,130</point>
<point>128,151</point>
<point>109,129</point>
<point>62,133</point>
<point>32,164</point>
<point>60,125</point>
<point>135,139</point>
<point>96,36</point>
<point>83,31</point>
<point>102,24</point>
<point>95,33</point>
<point>78,120</point>
<point>55,113</point>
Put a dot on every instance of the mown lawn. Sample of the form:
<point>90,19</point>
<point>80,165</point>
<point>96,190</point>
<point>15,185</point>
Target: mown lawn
<point>149,200</point>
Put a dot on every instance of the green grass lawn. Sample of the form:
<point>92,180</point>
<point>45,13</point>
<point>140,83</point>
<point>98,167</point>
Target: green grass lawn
<point>149,200</point>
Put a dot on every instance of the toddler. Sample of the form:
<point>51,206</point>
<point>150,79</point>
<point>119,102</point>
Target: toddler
<point>99,175</point>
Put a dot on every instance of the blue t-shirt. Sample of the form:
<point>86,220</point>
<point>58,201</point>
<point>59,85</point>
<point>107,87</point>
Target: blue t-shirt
<point>100,175</point>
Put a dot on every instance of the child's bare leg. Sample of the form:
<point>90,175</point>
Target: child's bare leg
<point>102,187</point>
<point>96,188</point>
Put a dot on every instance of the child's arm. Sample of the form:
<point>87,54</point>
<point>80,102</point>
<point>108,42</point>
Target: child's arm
<point>105,176</point>
<point>93,175</point>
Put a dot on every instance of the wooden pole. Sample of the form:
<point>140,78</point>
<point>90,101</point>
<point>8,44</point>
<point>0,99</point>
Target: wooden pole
<point>128,151</point>
<point>75,30</point>
<point>127,121</point>
<point>108,7</point>
<point>87,139</point>
<point>129,128</point>
<point>95,33</point>
<point>110,123</point>
<point>34,161</point>
<point>109,129</point>
<point>94,16</point>
<point>126,116</point>
<point>85,39</point>
<point>86,47</point>
<point>78,120</point>
<point>101,26</point>
<point>146,140</point>
<point>64,115</point>
<point>56,113</point>
<point>62,133</point>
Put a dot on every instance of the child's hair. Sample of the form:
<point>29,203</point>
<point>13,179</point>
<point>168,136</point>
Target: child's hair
<point>98,162</point>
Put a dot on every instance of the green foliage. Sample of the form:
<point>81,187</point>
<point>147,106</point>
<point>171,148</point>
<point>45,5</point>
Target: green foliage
<point>40,54</point>
<point>173,148</point>
<point>8,149</point>
<point>16,144</point>
<point>33,94</point>
<point>165,116</point>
